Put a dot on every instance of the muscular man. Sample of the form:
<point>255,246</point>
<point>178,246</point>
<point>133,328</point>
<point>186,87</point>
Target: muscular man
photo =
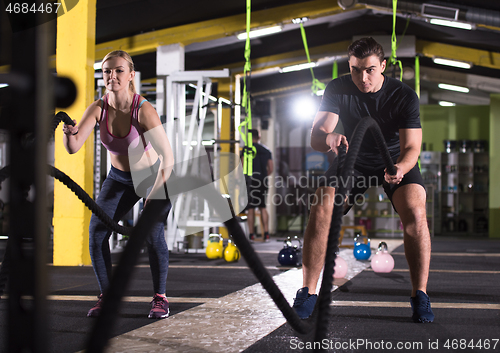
<point>395,107</point>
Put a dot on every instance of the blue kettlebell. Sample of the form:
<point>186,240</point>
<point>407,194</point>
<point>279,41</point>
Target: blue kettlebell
<point>362,250</point>
<point>291,255</point>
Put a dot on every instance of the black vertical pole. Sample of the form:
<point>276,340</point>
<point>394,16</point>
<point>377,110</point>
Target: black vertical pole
<point>28,115</point>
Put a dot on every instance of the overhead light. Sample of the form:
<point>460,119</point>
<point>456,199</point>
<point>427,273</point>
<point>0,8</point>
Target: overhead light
<point>453,88</point>
<point>446,104</point>
<point>454,24</point>
<point>98,65</point>
<point>437,11</point>
<point>259,32</point>
<point>299,20</point>
<point>320,92</point>
<point>454,63</point>
<point>2,85</point>
<point>297,67</point>
<point>305,107</point>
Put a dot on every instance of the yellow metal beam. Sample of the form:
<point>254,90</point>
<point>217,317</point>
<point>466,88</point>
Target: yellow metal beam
<point>75,59</point>
<point>477,57</point>
<point>217,28</point>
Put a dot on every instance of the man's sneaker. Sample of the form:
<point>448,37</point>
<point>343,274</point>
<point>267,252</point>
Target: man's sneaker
<point>251,237</point>
<point>159,307</point>
<point>421,306</point>
<point>96,309</point>
<point>304,303</point>
<point>267,238</point>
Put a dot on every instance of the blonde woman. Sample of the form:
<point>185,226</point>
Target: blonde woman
<point>124,117</point>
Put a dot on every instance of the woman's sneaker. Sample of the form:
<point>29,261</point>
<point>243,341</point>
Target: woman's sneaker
<point>421,306</point>
<point>304,303</point>
<point>96,309</point>
<point>159,307</point>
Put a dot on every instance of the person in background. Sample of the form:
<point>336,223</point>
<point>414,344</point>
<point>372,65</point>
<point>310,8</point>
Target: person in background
<point>258,186</point>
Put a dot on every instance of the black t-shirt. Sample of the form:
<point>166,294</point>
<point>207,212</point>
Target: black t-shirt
<point>395,106</point>
<point>260,161</point>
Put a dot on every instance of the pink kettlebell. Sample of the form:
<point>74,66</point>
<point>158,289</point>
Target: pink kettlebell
<point>340,269</point>
<point>382,261</point>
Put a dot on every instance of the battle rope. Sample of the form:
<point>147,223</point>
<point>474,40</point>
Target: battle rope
<point>102,330</point>
<point>89,202</point>
<point>157,209</point>
<point>335,226</point>
<point>73,186</point>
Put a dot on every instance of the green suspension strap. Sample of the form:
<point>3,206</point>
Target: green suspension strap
<point>249,150</point>
<point>335,70</point>
<point>393,59</point>
<point>417,75</point>
<point>316,84</point>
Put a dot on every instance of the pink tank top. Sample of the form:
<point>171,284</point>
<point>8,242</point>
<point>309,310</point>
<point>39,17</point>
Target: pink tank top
<point>120,145</point>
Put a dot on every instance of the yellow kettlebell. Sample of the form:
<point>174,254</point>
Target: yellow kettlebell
<point>215,247</point>
<point>231,253</point>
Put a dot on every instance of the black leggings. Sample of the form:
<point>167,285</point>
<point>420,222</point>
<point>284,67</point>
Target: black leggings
<point>116,198</point>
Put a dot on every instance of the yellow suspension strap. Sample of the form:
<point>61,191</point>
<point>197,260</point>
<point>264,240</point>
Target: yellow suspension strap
<point>316,84</point>
<point>249,150</point>
<point>393,59</point>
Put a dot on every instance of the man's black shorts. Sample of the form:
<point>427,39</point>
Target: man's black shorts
<point>257,192</point>
<point>365,178</point>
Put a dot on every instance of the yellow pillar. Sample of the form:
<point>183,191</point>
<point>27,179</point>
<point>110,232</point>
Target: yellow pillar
<point>75,52</point>
<point>225,134</point>
<point>494,148</point>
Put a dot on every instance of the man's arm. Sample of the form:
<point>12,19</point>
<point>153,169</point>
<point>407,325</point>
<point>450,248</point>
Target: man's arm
<point>323,139</point>
<point>270,166</point>
<point>410,141</point>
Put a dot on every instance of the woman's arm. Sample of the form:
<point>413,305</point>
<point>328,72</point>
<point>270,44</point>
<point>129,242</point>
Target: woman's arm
<point>75,136</point>
<point>150,122</point>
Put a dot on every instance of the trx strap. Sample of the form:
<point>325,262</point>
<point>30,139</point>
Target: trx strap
<point>316,84</point>
<point>335,71</point>
<point>393,58</point>
<point>417,75</point>
<point>249,151</point>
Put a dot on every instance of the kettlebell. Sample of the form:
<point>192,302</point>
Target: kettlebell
<point>362,250</point>
<point>382,261</point>
<point>231,252</point>
<point>340,269</point>
<point>291,255</point>
<point>214,248</point>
